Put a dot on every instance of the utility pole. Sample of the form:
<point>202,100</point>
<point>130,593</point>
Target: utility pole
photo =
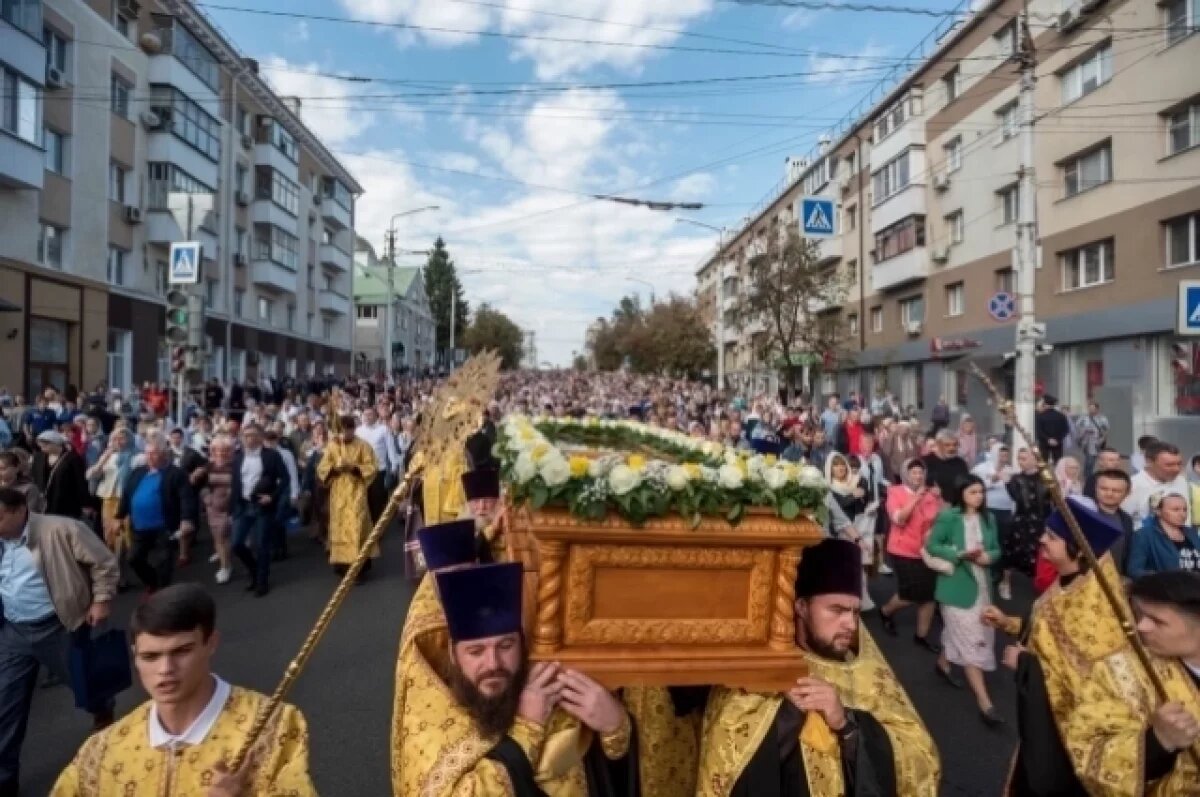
<point>391,298</point>
<point>1029,332</point>
<point>720,231</point>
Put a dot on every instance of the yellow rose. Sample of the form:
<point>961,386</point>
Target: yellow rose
<point>636,461</point>
<point>693,470</point>
<point>539,451</point>
<point>579,467</point>
<point>770,458</point>
<point>743,467</point>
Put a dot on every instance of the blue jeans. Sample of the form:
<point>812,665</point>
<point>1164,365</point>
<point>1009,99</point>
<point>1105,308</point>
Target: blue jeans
<point>252,543</point>
<point>23,647</point>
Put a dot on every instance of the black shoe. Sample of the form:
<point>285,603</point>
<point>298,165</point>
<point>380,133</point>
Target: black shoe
<point>925,642</point>
<point>261,591</point>
<point>991,717</point>
<point>949,676</point>
<point>889,622</point>
<point>252,586</point>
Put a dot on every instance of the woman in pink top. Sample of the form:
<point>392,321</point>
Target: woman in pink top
<point>912,508</point>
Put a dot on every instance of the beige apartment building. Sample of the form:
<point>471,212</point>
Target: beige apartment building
<point>115,112</point>
<point>925,184</point>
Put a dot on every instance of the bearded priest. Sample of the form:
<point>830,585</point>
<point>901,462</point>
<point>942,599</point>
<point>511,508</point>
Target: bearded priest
<point>482,490</point>
<point>847,728</point>
<point>492,724</point>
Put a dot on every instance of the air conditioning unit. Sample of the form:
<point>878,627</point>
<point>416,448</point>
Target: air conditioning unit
<point>1069,20</point>
<point>239,260</point>
<point>941,181</point>
<point>941,254</point>
<point>913,327</point>
<point>247,141</point>
<point>316,198</point>
<point>55,79</point>
<point>242,198</point>
<point>133,214</point>
<point>130,9</point>
<point>151,120</point>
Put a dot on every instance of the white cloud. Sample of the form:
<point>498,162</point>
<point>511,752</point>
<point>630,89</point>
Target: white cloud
<point>799,19</point>
<point>831,70</point>
<point>694,186</point>
<point>327,104</point>
<point>442,23</point>
<point>300,32</point>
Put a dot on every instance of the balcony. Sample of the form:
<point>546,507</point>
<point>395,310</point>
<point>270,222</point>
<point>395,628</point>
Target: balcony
<point>895,272</point>
<point>333,257</point>
<point>334,303</point>
<point>829,250</point>
<point>269,274</point>
<point>170,71</point>
<point>729,271</point>
<point>23,51</point>
<point>266,154</point>
<point>22,164</point>
<point>163,146</point>
<point>264,211</point>
<point>910,133</point>
<point>162,228</point>
<point>333,213</point>
<point>908,202</point>
<point>729,303</point>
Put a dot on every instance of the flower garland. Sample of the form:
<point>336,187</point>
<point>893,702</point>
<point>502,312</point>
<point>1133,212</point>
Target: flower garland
<point>650,473</point>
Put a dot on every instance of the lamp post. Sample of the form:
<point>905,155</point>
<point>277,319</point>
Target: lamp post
<point>391,282</point>
<point>720,231</point>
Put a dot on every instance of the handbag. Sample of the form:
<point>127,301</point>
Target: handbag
<point>98,664</point>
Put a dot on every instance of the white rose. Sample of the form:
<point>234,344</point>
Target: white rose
<point>709,448</point>
<point>775,478</point>
<point>598,468</point>
<point>731,457</point>
<point>811,476</point>
<point>555,470</point>
<point>708,474</point>
<point>756,465</point>
<point>622,479</point>
<point>525,468</point>
<point>677,478</point>
<point>730,477</point>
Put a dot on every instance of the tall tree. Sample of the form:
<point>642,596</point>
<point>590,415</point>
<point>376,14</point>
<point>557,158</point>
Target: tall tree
<point>441,284</point>
<point>787,298</point>
<point>669,338</point>
<point>492,329</point>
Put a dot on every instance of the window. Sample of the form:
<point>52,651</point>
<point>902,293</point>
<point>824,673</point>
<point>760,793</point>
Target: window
<point>188,50</point>
<point>951,82</point>
<point>1088,170</point>
<point>953,149</point>
<point>1182,18</point>
<point>188,121</point>
<point>1008,204</point>
<point>56,50</point>
<point>116,266</point>
<point>50,245</point>
<point>1005,281</point>
<point>327,328</point>
<point>271,184</point>
<point>851,217</point>
<point>1088,265</point>
<point>120,96</point>
<point>20,106</point>
<point>239,297</point>
<point>272,243</point>
<point>239,178</point>
<point>954,299</point>
<point>119,347</point>
<point>895,116</point>
<point>954,227</point>
<point>54,143</point>
<point>124,20</point>
<point>328,282</point>
<point>309,324</point>
<point>24,14</point>
<point>291,316</point>
<point>163,179</point>
<point>912,310</point>
<point>1009,120</point>
<point>265,309</point>
<point>876,319</point>
<point>852,272</point>
<point>281,139</point>
<point>899,238</point>
<point>237,365</point>
<point>954,387</point>
<point>1183,240</point>
<point>1006,40</point>
<point>1088,75</point>
<point>367,312</point>
<point>162,283</point>
<point>210,293</point>
<point>312,276</point>
<point>242,119</point>
<point>891,178</point>
<point>239,241</point>
<point>1182,369</point>
<point>339,193</point>
<point>819,175</point>
<point>1183,128</point>
<point>852,323</point>
<point>116,182</point>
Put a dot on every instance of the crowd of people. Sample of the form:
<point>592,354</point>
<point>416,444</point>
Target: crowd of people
<point>112,492</point>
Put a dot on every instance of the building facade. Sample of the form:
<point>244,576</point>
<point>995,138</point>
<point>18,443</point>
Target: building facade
<point>128,126</point>
<point>413,330</point>
<point>925,184</point>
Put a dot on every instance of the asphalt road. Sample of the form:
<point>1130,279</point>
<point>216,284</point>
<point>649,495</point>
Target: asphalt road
<point>346,690</point>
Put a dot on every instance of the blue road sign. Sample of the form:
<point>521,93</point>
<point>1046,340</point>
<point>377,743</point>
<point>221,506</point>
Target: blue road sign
<point>1002,306</point>
<point>184,263</point>
<point>1189,307</point>
<point>816,216</point>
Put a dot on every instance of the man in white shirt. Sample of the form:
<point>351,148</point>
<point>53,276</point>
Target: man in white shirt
<point>376,434</point>
<point>1163,473</point>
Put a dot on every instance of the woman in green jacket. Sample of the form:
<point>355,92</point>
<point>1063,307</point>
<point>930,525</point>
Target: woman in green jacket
<point>962,543</point>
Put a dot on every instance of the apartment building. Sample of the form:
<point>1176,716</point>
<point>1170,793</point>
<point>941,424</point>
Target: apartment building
<point>127,126</point>
<point>413,331</point>
<point>926,188</point>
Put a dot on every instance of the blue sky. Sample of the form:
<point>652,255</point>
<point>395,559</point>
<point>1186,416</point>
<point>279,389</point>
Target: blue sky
<point>453,101</point>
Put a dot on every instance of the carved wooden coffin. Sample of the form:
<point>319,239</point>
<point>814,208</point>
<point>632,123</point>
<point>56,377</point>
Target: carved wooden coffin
<point>663,604</point>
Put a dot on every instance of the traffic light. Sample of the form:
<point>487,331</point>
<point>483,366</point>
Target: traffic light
<point>177,317</point>
<point>179,358</point>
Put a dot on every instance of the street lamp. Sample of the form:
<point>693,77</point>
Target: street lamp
<point>720,231</point>
<point>391,282</point>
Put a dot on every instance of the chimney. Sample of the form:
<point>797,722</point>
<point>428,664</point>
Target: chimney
<point>824,143</point>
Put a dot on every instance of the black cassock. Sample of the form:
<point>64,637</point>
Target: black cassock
<point>605,777</point>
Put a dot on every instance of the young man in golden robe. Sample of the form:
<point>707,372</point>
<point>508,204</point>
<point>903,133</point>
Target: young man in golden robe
<point>179,742</point>
<point>847,728</point>
<point>347,468</point>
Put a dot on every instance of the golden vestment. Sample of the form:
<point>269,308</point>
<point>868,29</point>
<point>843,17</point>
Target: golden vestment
<point>1101,698</point>
<point>349,520</point>
<point>119,761</point>
<point>736,722</point>
<point>442,488</point>
<point>667,744</point>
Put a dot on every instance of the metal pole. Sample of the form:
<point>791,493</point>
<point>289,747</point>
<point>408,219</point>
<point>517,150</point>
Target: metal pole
<point>391,290</point>
<point>721,311</point>
<point>453,313</point>
<point>1025,375</point>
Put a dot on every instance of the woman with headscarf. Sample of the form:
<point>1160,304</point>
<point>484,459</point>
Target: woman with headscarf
<point>1031,506</point>
<point>1069,475</point>
<point>968,440</point>
<point>108,474</point>
<point>1165,540</point>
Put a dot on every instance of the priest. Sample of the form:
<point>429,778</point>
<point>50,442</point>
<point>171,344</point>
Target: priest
<point>347,468</point>
<point>481,487</point>
<point>846,728</point>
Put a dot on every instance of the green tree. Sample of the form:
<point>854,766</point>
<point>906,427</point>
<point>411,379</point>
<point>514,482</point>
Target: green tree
<point>669,338</point>
<point>492,329</point>
<point>579,362</point>
<point>441,283</point>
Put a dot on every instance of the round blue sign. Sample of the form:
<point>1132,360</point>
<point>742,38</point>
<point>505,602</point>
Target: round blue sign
<point>1002,306</point>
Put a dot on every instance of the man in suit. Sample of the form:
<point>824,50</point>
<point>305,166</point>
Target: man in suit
<point>259,496</point>
<point>56,580</point>
<point>161,506</point>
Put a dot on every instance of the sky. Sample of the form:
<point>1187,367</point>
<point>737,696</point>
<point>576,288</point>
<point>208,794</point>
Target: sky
<point>509,115</point>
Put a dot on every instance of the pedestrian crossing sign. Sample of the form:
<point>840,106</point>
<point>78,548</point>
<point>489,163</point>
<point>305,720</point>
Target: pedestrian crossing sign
<point>184,263</point>
<point>817,216</point>
<point>1189,307</point>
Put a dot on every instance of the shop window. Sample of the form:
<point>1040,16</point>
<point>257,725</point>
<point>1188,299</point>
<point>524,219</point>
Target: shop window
<point>1094,375</point>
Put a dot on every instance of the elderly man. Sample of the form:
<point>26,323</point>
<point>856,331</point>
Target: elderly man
<point>56,578</point>
<point>61,476</point>
<point>945,469</point>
